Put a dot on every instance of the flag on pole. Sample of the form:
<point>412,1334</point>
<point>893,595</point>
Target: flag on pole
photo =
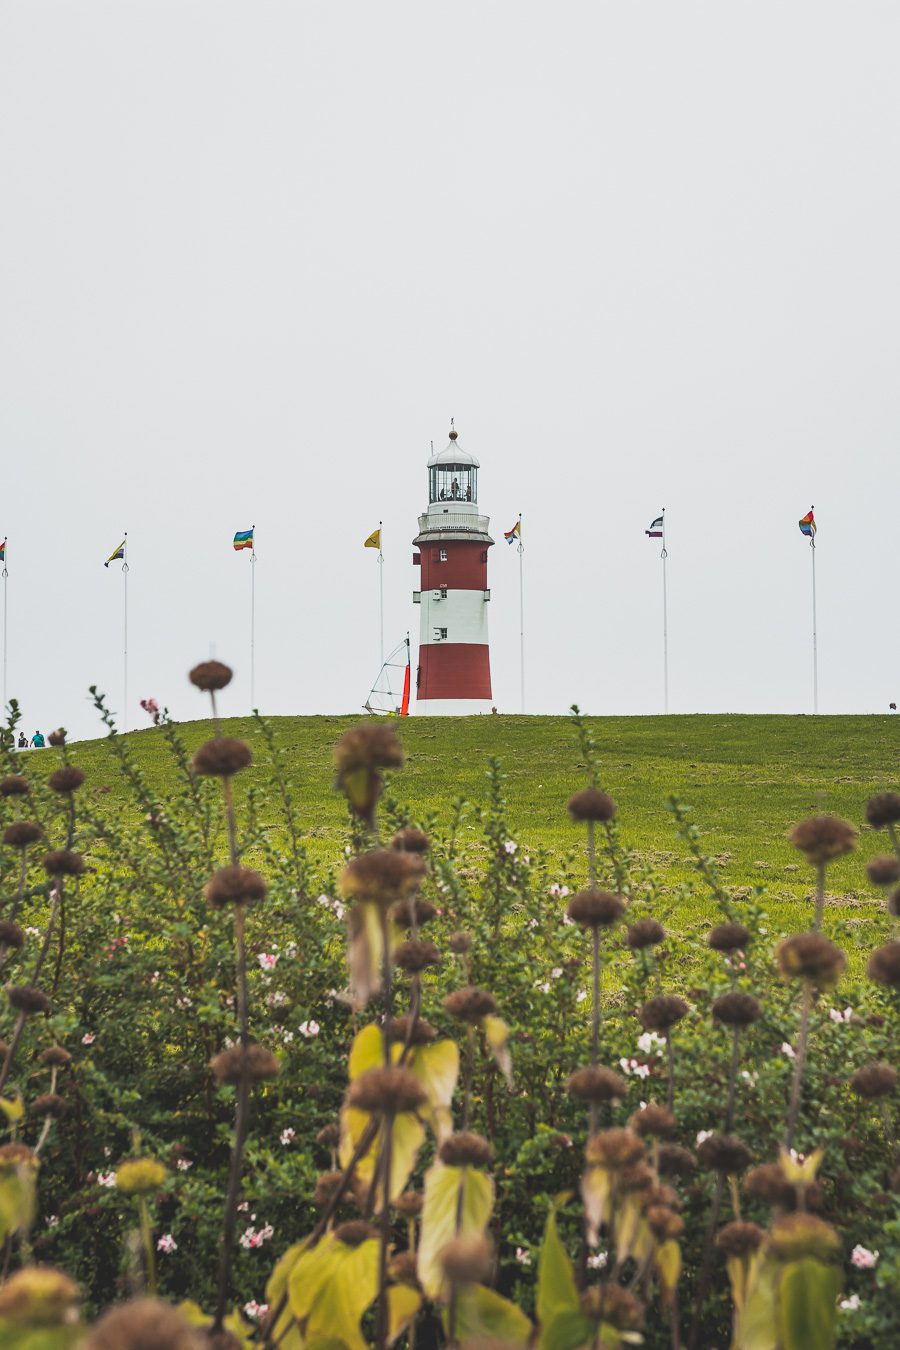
<point>3,551</point>
<point>243,539</point>
<point>656,529</point>
<point>512,535</point>
<point>374,539</point>
<point>808,525</point>
<point>119,553</point>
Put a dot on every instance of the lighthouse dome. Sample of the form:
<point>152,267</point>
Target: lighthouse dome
<point>454,454</point>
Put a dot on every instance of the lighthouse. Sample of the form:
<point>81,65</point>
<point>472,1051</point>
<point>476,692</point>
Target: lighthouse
<point>454,673</point>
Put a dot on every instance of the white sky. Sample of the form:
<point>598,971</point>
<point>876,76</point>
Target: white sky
<point>253,256</point>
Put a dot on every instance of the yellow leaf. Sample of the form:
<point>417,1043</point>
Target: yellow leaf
<point>596,1193</point>
<point>437,1068</point>
<point>628,1217</point>
<point>404,1303</point>
<point>343,1287</point>
<point>496,1033</point>
<point>17,1198</point>
<point>450,1192</point>
<point>276,1287</point>
<point>488,1316</point>
<point>407,1138</point>
<point>13,1110</point>
<point>800,1171</point>
<point>367,1051</point>
<point>668,1267</point>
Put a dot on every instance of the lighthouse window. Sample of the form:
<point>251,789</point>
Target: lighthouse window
<point>443,555</point>
<point>443,592</point>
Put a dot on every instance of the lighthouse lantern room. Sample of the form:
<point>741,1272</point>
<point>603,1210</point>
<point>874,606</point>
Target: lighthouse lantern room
<point>454,673</point>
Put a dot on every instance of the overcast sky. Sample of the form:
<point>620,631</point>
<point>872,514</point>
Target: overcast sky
<point>254,256</point>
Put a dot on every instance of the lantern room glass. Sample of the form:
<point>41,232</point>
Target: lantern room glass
<point>453,483</point>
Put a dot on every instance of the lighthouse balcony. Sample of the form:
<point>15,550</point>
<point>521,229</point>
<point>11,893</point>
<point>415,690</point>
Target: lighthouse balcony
<point>444,520</point>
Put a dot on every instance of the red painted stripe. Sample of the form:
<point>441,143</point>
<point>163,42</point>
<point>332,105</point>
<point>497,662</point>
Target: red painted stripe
<point>465,568</point>
<point>454,670</point>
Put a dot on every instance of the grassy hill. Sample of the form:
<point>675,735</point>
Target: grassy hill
<point>747,778</point>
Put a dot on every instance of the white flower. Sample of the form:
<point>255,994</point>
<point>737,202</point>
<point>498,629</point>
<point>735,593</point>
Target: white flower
<point>287,1037</point>
<point>167,1244</point>
<point>288,1135</point>
<point>309,1028</point>
<point>268,960</point>
<point>276,999</point>
<point>837,1016</point>
<point>106,1179</point>
<point>510,847</point>
<point>33,932</point>
<point>651,1043</point>
<point>581,996</point>
<point>251,1238</point>
<point>256,1311</point>
<point>523,1257</point>
<point>703,1135</point>
<point>788,1050</point>
<point>183,1164</point>
<point>88,1038</point>
<point>244,1206</point>
<point>544,988</point>
<point>556,972</point>
<point>52,1220</point>
<point>633,1067</point>
<point>597,1261</point>
<point>751,1078</point>
<point>849,1304</point>
<point>862,1258</point>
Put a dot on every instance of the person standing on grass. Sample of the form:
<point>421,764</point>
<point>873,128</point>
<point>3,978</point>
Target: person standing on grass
<point>23,741</point>
<point>37,741</point>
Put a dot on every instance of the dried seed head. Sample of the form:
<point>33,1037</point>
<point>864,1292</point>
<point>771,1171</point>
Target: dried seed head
<point>141,1324</point>
<point>240,1062</point>
<point>883,809</point>
<point>467,1260</point>
<point>38,1297</point>
<point>728,937</point>
<point>724,1153</point>
<point>596,1085</point>
<point>371,746</point>
<point>661,1194</point>
<point>662,1012</point>
<point>21,833</point>
<point>591,804</point>
<point>11,935</point>
<point>644,933</point>
<point>797,1235</point>
<point>63,862</point>
<point>387,1090</point>
<point>740,1239</point>
<point>415,907</point>
<point>596,909</point>
<point>48,1104</point>
<point>15,1156</point>
<point>809,956</point>
<point>385,876</point>
<point>27,998</point>
<point>874,1080</point>
<point>664,1223</point>
<point>410,840</point>
<point>884,870</point>
<point>884,965</point>
<point>403,1269</point>
<point>409,1204</point>
<point>615,1305</point>
<point>355,1232</point>
<point>66,780</point>
<point>416,955</point>
<point>614,1149</point>
<point>57,737</point>
<point>465,1150</point>
<point>654,1120</point>
<point>140,1176</point>
<point>460,943</point>
<point>235,886</point>
<point>55,1057</point>
<point>211,676</point>
<point>768,1183</point>
<point>638,1177</point>
<point>326,1186</point>
<point>821,839</point>
<point>676,1161</point>
<point>470,1004</point>
<point>221,757</point>
<point>736,1009</point>
<point>329,1136</point>
<point>14,786</point>
<point>416,1030</point>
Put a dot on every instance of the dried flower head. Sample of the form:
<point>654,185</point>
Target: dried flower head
<point>235,886</point>
<point>470,1004</point>
<point>644,933</point>
<point>740,1239</point>
<point>329,1136</point>
<point>48,1104</point>
<point>728,937</point>
<point>66,780</point>
<point>142,1324</point>
<point>11,935</point>
<point>883,809</point>
<point>663,1222</point>
<point>37,1297</point>
<point>16,1159</point>
<point>465,1149</point>
<point>874,1080</point>
<point>27,998</point>
<point>724,1153</point>
<point>467,1260</point>
<point>423,911</point>
<point>403,1269</point>
<point>240,1062</point>
<point>809,956</point>
<point>411,840</point>
<point>387,1090</point>
<point>768,1183</point>
<point>591,804</point>
<point>383,876</point>
<point>327,1184</point>
<point>676,1161</point>
<point>21,833</point>
<point>638,1177</point>
<point>372,746</point>
<point>57,737</point>
<point>884,870</point>
<point>221,757</point>
<point>210,676</point>
<point>14,785</point>
<point>884,965</point>
<point>416,1030</point>
<point>736,1009</point>
<point>596,909</point>
<point>409,1204</point>
<point>615,1305</point>
<point>140,1176</point>
<point>460,943</point>
<point>416,955</point>
<point>596,1085</point>
<point>662,1012</point>
<point>355,1232</point>
<point>55,1057</point>
<point>797,1235</point>
<point>614,1149</point>
<point>821,839</point>
<point>661,1194</point>
<point>653,1120</point>
<point>63,862</point>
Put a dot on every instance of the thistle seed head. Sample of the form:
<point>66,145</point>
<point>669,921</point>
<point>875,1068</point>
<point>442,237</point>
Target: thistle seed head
<point>235,886</point>
<point>884,965</point>
<point>403,1269</point>
<point>389,1091</point>
<point>416,955</point>
<point>140,1176</point>
<point>637,1177</point>
<point>736,1009</point>
<point>661,1194</point>
<point>664,1223</point>
<point>614,1304</point>
<point>884,870</point>
<point>614,1149</point>
<point>596,1085</point>
<point>724,1153</point>
<point>221,757</point>
<point>768,1183</point>
<point>21,833</point>
<point>57,737</point>
<point>66,780</point>
<point>467,1260</point>
<point>355,1232</point>
<point>465,1149</point>
<point>591,804</point>
<point>371,746</point>
<point>141,1324</point>
<point>244,1062</point>
<point>411,840</point>
<point>55,1057</point>
<point>728,937</point>
<point>409,1204</point>
<point>662,1012</point>
<point>874,1080</point>
<point>63,862</point>
<point>38,1297</point>
<point>210,676</point>
<point>809,956</point>
<point>329,1136</point>
<point>327,1184</point>
<point>883,809</point>
<point>653,1120</point>
<point>740,1239</point>
<point>596,909</point>
<point>644,933</point>
<point>821,839</point>
<point>14,785</point>
<point>385,876</point>
<point>460,943</point>
<point>676,1161</point>
<point>49,1104</point>
<point>405,911</point>
<point>470,1004</point>
<point>11,935</point>
<point>797,1235</point>
<point>27,998</point>
<point>418,1031</point>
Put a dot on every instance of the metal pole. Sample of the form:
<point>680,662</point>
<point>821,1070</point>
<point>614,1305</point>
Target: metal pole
<point>812,544</point>
<point>5,581</point>
<point>665,555</point>
<point>381,591</point>
<point>521,616</point>
<point>125,631</point>
<point>253,622</point>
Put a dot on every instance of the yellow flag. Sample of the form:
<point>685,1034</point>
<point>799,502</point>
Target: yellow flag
<point>374,540</point>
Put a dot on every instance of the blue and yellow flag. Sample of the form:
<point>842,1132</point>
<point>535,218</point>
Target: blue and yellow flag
<point>119,553</point>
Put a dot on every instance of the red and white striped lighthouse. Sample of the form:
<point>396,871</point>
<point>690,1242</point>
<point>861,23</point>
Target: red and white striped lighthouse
<point>454,675</point>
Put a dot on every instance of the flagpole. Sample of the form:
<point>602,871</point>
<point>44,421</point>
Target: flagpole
<point>381,590</point>
<point>664,554</point>
<point>253,621</point>
<point>812,544</point>
<point>125,630</point>
<point>521,551</point>
<point>5,581</point>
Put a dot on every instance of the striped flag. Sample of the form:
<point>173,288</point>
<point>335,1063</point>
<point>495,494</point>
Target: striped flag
<point>656,529</point>
<point>243,539</point>
<point>119,553</point>
<point>515,533</point>
<point>807,524</point>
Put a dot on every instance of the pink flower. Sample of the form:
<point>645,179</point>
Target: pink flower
<point>88,1038</point>
<point>183,1164</point>
<point>250,1238</point>
<point>287,1136</point>
<point>167,1244</point>
<point>523,1256</point>
<point>309,1028</point>
<point>106,1179</point>
<point>268,960</point>
<point>256,1311</point>
<point>837,1016</point>
<point>863,1259</point>
<point>597,1261</point>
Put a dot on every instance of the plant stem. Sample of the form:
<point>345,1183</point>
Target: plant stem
<point>705,1265</point>
<point>595,1014</point>
<point>387,1128</point>
<point>820,896</point>
<point>147,1240</point>
<point>732,1079</point>
<point>799,1064</point>
<point>592,855</point>
<point>240,1125</point>
<point>670,1062</point>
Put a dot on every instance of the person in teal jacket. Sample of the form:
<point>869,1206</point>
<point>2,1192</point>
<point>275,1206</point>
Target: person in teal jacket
<point>37,741</point>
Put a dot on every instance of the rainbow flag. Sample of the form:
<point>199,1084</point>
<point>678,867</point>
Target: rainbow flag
<point>807,524</point>
<point>244,539</point>
<point>119,553</point>
<point>3,551</point>
<point>515,533</point>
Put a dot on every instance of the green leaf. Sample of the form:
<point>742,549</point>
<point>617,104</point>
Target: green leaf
<point>404,1303</point>
<point>556,1291</point>
<point>17,1199</point>
<point>496,1033</point>
<point>807,1305</point>
<point>569,1330</point>
<point>407,1137</point>
<point>484,1312</point>
<point>443,1186</point>
<point>344,1295</point>
<point>13,1108</point>
<point>39,1338</point>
